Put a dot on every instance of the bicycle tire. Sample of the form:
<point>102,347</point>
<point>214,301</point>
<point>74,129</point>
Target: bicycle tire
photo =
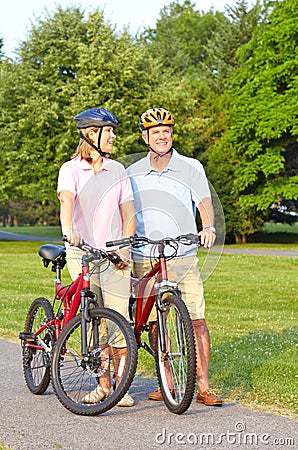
<point>176,368</point>
<point>74,377</point>
<point>37,363</point>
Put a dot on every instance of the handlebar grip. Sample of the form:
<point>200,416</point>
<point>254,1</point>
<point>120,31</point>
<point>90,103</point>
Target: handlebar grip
<point>114,258</point>
<point>195,239</point>
<point>123,242</point>
<point>190,238</point>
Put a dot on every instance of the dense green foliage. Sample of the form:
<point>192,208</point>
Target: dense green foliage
<point>230,79</point>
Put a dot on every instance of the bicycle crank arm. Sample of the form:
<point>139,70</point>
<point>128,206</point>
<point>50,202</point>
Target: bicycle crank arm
<point>147,348</point>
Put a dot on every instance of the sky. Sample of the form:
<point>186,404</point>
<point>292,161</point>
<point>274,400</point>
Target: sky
<point>16,16</point>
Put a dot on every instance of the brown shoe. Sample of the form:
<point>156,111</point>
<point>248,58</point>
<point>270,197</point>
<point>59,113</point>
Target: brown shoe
<point>209,398</point>
<point>156,395</point>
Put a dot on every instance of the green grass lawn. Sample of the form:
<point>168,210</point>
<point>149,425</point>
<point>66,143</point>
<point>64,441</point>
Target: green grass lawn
<point>251,311</point>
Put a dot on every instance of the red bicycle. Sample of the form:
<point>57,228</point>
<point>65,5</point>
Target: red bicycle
<point>81,346</point>
<point>176,353</point>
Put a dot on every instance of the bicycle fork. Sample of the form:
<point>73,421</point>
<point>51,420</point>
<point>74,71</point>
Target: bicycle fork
<point>163,289</point>
<point>88,298</point>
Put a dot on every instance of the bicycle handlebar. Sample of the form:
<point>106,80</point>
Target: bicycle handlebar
<point>134,241</point>
<point>98,253</point>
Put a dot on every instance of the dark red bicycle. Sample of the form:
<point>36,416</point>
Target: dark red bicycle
<point>74,342</point>
<point>176,353</point>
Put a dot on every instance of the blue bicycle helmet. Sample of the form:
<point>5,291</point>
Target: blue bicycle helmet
<point>96,117</point>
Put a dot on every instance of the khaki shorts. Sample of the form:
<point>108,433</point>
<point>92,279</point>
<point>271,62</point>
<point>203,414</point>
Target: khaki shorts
<point>111,285</point>
<point>186,273</point>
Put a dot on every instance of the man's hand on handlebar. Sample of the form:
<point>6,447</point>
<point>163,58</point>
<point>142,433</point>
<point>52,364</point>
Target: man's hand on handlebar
<point>136,241</point>
<point>122,258</point>
<point>207,237</point>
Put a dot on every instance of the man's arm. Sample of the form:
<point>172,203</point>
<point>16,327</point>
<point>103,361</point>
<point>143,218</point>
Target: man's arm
<point>207,217</point>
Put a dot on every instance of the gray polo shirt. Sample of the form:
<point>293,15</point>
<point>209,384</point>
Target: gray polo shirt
<point>166,202</point>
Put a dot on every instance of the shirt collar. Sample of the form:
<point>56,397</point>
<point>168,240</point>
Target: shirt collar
<point>84,165</point>
<point>172,166</point>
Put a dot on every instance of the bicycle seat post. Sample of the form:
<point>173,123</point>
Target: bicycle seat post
<point>57,269</point>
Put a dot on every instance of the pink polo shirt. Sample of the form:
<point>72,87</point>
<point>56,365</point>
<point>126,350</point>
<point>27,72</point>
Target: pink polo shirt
<point>96,215</point>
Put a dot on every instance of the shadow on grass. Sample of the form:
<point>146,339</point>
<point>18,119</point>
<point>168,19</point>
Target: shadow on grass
<point>260,368</point>
<point>273,238</point>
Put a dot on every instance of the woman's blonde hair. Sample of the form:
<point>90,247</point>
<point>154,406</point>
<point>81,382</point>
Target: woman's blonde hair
<point>84,149</point>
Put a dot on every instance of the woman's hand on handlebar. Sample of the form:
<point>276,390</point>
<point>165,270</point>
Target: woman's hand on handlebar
<point>73,238</point>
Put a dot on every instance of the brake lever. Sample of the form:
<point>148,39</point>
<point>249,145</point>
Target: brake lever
<point>114,257</point>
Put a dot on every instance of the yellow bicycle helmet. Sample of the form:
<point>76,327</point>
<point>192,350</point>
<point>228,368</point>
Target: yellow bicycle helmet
<point>155,117</point>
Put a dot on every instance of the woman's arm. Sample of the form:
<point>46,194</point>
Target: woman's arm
<point>128,219</point>
<point>128,229</point>
<point>66,211</point>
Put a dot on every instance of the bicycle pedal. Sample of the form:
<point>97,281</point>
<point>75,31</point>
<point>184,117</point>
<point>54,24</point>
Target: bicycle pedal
<point>27,336</point>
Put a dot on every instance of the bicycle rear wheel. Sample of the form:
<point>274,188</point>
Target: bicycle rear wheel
<point>37,363</point>
<point>108,367</point>
<point>176,367</point>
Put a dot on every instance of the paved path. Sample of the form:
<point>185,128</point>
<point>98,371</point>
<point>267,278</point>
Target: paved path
<point>30,422</point>
<point>7,236</point>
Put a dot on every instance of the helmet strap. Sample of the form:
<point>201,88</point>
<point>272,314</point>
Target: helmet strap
<point>158,155</point>
<point>92,145</point>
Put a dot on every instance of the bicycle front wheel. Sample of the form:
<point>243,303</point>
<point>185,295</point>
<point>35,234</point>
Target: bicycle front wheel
<point>93,383</point>
<point>176,365</point>
<point>37,362</point>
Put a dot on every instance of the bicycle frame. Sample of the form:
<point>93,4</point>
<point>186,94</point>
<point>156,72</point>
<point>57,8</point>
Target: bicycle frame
<point>174,348</point>
<point>72,297</point>
<point>159,288</point>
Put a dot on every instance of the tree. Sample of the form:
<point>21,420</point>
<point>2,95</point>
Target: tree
<point>39,96</point>
<point>180,36</point>
<point>230,81</point>
<point>263,118</point>
<point>232,31</point>
<point>71,62</point>
<point>33,102</point>
<point>1,45</point>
